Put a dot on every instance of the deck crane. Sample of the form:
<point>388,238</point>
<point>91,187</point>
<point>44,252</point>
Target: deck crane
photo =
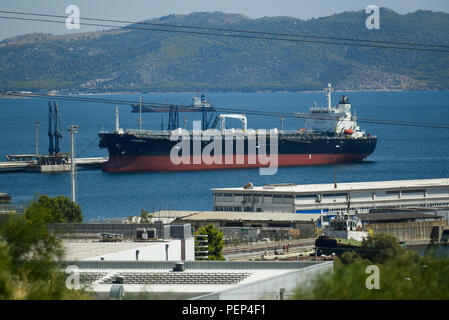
<point>240,117</point>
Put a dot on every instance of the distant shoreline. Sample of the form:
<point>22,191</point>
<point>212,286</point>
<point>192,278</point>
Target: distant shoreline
<point>256,91</point>
<point>232,92</point>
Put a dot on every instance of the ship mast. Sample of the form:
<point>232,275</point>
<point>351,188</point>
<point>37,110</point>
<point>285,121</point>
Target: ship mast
<point>140,114</point>
<point>328,94</point>
<point>117,125</point>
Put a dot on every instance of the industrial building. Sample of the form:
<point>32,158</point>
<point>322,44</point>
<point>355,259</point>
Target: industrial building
<point>260,222</point>
<point>165,267</point>
<point>196,280</point>
<point>332,198</point>
<point>164,250</point>
<point>84,241</point>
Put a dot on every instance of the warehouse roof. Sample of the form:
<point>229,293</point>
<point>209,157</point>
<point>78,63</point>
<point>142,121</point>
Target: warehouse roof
<point>80,250</point>
<point>346,186</point>
<point>250,216</point>
<point>199,277</point>
<point>173,213</point>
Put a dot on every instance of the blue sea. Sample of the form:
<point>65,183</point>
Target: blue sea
<point>403,152</point>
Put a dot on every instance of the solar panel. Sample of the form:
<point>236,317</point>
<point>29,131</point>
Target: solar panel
<point>179,278</point>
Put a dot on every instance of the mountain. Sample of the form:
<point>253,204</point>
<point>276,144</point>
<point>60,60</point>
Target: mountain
<point>140,60</point>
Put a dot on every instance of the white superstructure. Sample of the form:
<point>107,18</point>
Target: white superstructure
<point>338,119</point>
<point>344,228</point>
<point>200,102</point>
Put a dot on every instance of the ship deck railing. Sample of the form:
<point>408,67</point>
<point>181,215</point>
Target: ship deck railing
<point>285,134</point>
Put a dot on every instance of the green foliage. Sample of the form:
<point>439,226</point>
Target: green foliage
<point>5,276</point>
<point>404,275</point>
<point>29,257</point>
<point>31,246</point>
<point>56,210</point>
<point>381,248</point>
<point>145,217</point>
<point>349,257</point>
<point>214,241</point>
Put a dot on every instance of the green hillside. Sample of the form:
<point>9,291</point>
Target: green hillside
<point>137,60</point>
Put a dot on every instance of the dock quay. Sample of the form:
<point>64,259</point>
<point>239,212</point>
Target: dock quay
<point>47,164</point>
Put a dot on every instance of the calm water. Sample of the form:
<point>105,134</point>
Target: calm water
<point>401,153</point>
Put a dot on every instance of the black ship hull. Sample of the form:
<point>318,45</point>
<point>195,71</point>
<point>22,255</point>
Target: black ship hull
<point>134,152</point>
<point>328,246</point>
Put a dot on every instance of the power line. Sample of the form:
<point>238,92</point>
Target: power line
<point>230,30</point>
<point>233,35</point>
<point>228,109</point>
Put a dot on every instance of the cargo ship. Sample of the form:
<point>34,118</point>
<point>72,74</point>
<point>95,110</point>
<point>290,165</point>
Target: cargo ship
<point>331,135</point>
<point>198,105</point>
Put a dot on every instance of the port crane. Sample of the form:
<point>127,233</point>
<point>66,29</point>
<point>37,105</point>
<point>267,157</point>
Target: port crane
<point>55,129</point>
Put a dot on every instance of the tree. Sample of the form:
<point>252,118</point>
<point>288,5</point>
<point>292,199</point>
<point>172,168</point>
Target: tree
<point>29,260</point>
<point>144,216</point>
<point>403,274</point>
<point>32,248</point>
<point>6,287</point>
<point>59,209</point>
<point>381,248</point>
<point>215,241</point>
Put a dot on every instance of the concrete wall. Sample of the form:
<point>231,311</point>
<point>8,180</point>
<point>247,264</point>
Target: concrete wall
<point>154,252</point>
<point>189,249</point>
<point>407,231</point>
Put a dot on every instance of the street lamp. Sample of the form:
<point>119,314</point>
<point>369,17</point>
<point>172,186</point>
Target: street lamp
<point>73,129</point>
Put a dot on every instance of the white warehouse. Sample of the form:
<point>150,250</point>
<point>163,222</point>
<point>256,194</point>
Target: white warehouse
<point>332,198</point>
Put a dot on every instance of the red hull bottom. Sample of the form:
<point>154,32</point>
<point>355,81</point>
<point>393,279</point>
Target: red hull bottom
<point>163,163</point>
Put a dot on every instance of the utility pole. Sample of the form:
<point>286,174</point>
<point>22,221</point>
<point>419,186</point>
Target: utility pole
<point>73,129</point>
<point>37,123</point>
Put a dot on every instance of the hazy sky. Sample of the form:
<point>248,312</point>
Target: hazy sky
<point>136,10</point>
